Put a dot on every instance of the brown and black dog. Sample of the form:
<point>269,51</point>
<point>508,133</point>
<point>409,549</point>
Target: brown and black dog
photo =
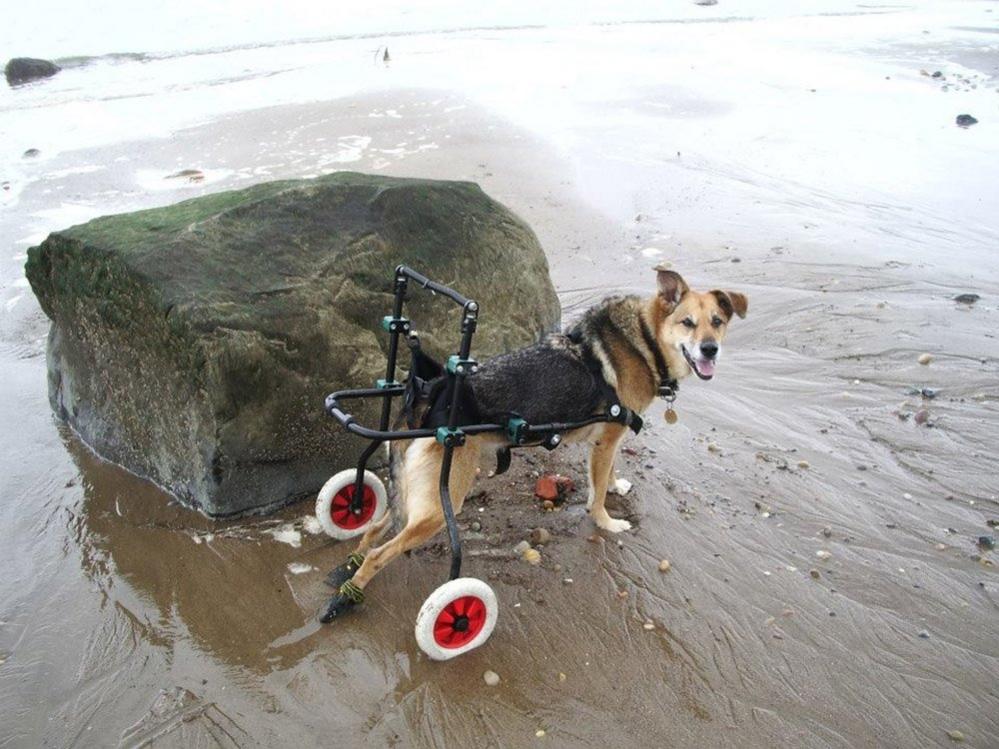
<point>627,344</point>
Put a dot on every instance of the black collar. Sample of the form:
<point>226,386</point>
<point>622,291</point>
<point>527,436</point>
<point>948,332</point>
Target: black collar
<point>667,385</point>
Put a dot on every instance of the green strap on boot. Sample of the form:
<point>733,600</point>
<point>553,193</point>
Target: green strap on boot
<point>352,592</point>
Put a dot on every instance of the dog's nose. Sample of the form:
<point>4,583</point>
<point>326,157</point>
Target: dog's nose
<point>709,349</point>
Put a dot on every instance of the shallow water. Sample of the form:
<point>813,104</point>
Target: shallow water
<point>851,215</point>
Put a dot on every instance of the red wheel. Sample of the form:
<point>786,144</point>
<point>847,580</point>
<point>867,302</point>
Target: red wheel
<point>457,617</point>
<point>333,506</point>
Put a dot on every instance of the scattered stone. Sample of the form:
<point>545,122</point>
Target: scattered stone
<point>713,448</point>
<point>191,175</point>
<point>561,676</point>
<point>925,359</point>
<point>940,547</point>
<point>921,416</point>
<point>967,298</point>
<point>955,736</point>
<point>532,557</point>
<point>540,537</point>
<point>987,542</point>
<point>923,634</point>
<point>540,733</point>
<point>804,464</point>
<point>31,153</point>
<point>928,393</point>
<point>814,573</point>
<point>26,69</point>
<point>965,120</point>
<point>548,505</point>
<point>665,566</point>
<point>622,594</point>
<point>521,547</point>
<point>827,531</point>
<point>823,554</point>
<point>567,580</point>
<point>476,526</point>
<point>491,678</point>
<point>553,487</point>
<point>648,626</point>
<point>937,74</point>
<point>992,523</point>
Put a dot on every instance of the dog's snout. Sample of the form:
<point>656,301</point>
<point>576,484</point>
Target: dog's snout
<point>709,349</point>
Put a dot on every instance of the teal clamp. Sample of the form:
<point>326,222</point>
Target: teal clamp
<point>395,324</point>
<point>386,384</point>
<point>516,430</point>
<point>457,365</point>
<point>450,437</point>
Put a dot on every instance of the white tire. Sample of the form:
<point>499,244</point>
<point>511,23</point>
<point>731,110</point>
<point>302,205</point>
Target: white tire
<point>332,505</point>
<point>466,598</point>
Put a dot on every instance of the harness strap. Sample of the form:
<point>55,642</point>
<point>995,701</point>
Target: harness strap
<point>667,385</point>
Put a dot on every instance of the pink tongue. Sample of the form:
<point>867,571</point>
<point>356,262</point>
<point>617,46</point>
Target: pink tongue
<point>706,367</point>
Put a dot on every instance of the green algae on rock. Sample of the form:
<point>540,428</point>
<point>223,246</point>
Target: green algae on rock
<point>194,344</point>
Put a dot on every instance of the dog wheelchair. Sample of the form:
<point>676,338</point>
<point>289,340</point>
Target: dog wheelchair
<point>459,615</point>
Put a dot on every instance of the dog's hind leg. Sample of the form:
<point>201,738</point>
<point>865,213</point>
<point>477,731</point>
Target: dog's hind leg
<point>355,559</point>
<point>601,471</point>
<point>424,516</point>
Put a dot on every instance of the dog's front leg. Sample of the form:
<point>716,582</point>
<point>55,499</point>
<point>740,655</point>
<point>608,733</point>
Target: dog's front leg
<point>601,469</point>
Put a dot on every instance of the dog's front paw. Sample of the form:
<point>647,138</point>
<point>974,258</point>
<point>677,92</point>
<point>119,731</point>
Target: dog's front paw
<point>619,487</point>
<point>607,523</point>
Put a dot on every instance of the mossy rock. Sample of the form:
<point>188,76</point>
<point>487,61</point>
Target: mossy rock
<point>194,344</point>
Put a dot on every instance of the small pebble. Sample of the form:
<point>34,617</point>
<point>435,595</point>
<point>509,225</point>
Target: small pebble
<point>940,547</point>
<point>823,554</point>
<point>540,733</point>
<point>491,678</point>
<point>540,536</point>
<point>713,448</point>
<point>532,556</point>
<point>476,526</point>
<point>827,531</point>
<point>521,547</point>
<point>955,736</point>
<point>648,626</point>
<point>921,416</point>
<point>924,634</point>
<point>548,505</point>
<point>925,359</point>
<point>665,566</point>
<point>803,464</point>
<point>987,542</point>
<point>561,677</point>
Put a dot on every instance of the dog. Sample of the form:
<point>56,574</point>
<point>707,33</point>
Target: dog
<point>625,350</point>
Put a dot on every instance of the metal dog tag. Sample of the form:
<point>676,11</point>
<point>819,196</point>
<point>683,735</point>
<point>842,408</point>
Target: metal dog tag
<point>670,416</point>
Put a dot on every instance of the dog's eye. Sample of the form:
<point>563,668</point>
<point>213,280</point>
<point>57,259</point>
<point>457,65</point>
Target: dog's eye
<point>687,322</point>
<point>716,322</point>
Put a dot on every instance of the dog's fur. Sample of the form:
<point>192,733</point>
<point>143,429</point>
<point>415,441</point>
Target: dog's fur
<point>686,326</point>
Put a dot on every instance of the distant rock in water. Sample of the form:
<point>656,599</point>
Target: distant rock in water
<point>967,298</point>
<point>24,69</point>
<point>194,344</point>
<point>966,120</point>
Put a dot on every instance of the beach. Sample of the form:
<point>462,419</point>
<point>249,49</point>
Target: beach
<point>820,501</point>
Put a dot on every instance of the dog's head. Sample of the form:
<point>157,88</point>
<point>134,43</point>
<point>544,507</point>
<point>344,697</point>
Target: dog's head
<point>691,324</point>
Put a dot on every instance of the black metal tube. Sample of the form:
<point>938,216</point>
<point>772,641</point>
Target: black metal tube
<point>426,283</point>
<point>454,539</point>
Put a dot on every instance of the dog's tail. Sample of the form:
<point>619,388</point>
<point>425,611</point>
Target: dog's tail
<point>397,484</point>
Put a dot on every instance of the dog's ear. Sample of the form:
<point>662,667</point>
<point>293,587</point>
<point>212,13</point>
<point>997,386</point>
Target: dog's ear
<point>731,302</point>
<point>671,285</point>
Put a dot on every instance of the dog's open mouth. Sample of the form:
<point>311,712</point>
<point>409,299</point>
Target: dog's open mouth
<point>703,368</point>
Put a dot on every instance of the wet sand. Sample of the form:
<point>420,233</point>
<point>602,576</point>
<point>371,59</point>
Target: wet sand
<point>125,618</point>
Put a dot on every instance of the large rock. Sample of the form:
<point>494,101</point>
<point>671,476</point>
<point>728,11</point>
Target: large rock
<point>24,69</point>
<point>194,344</point>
